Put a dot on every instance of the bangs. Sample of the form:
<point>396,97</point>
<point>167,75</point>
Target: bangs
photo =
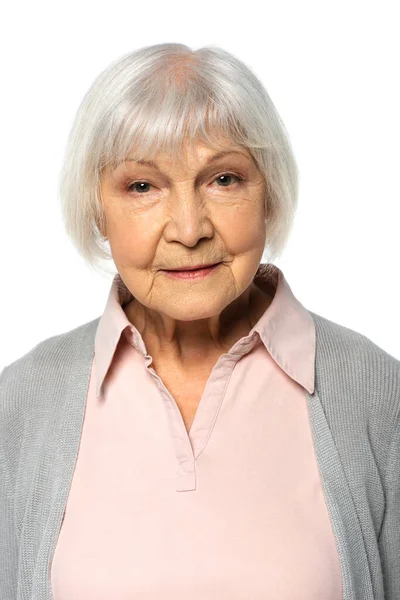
<point>169,120</point>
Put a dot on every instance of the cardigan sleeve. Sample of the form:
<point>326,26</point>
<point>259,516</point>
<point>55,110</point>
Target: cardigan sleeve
<point>9,547</point>
<point>389,537</point>
<point>8,543</point>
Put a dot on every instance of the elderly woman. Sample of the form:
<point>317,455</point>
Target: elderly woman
<point>207,437</point>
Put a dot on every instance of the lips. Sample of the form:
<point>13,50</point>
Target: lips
<point>197,268</point>
<point>192,274</point>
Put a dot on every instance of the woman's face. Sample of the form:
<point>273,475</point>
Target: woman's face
<point>169,215</point>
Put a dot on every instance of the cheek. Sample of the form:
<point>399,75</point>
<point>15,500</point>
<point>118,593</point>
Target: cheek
<point>242,229</point>
<point>133,241</point>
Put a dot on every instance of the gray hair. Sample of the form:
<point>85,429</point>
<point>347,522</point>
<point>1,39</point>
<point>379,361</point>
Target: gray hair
<point>153,98</point>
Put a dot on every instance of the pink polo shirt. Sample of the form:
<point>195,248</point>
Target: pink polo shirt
<point>232,510</point>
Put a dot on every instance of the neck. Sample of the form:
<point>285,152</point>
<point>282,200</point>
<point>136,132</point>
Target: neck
<point>187,342</point>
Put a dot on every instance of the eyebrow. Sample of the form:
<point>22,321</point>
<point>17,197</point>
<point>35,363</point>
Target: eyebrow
<point>213,158</point>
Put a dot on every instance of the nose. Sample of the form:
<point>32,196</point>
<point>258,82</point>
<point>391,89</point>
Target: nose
<point>188,220</point>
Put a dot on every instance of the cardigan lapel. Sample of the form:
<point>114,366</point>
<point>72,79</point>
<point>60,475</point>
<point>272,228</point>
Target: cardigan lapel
<point>70,392</point>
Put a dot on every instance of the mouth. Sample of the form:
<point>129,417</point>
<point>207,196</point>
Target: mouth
<point>192,273</point>
<point>196,268</point>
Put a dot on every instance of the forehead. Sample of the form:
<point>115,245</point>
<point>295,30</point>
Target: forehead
<point>208,156</point>
<point>191,155</point>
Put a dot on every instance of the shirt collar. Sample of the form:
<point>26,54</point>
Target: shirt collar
<point>286,329</point>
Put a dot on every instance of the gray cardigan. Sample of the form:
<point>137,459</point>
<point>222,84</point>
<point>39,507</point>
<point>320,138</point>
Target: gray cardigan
<point>354,416</point>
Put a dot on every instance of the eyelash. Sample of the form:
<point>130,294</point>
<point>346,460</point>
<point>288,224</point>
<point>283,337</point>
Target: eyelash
<point>130,186</point>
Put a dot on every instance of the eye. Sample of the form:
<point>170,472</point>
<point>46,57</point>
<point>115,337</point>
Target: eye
<point>140,186</point>
<point>132,187</point>
<point>225,177</point>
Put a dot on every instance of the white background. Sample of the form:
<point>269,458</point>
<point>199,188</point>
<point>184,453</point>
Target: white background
<point>331,69</point>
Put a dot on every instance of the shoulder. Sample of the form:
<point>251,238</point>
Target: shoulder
<point>48,351</point>
<point>51,356</point>
<point>33,390</point>
<point>351,350</point>
<point>358,381</point>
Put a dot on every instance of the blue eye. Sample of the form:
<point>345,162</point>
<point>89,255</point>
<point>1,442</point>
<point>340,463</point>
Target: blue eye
<point>130,187</point>
<point>227,175</point>
<point>223,178</point>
